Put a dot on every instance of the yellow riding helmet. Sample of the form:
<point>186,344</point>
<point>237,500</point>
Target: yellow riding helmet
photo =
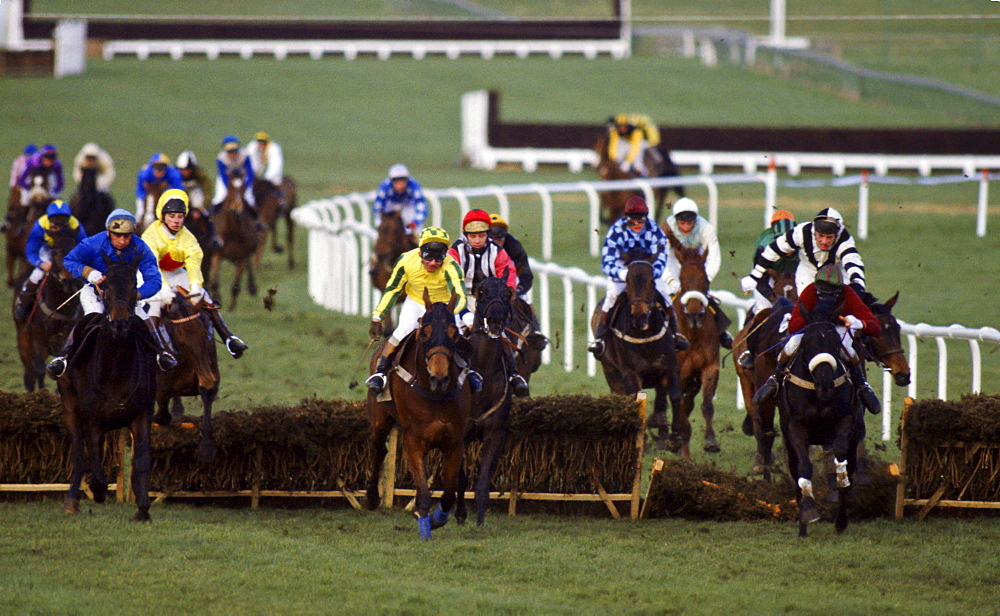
<point>497,219</point>
<point>172,201</point>
<point>434,234</point>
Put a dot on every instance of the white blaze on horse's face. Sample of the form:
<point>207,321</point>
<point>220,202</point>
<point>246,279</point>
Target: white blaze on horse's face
<point>237,183</point>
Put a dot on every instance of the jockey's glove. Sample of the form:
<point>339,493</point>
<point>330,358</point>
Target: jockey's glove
<point>94,276</point>
<point>673,287</point>
<point>748,284</point>
<point>468,318</point>
<point>852,322</point>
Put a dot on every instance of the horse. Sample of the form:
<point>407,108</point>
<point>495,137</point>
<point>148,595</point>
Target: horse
<point>764,326</point>
<point>22,219</point>
<point>238,237</point>
<point>274,203</point>
<point>56,309</point>
<point>490,414</point>
<point>818,405</point>
<point>189,331</point>
<point>392,241</point>
<point>89,205</point>
<point>153,192</point>
<point>639,350</point>
<point>110,383</point>
<point>431,403</point>
<point>699,364</point>
<point>659,164</point>
<point>529,343</point>
<point>886,349</point>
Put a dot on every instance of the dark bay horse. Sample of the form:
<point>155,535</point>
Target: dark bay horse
<point>658,163</point>
<point>238,237</point>
<point>22,219</point>
<point>276,203</point>
<point>490,414</point>
<point>190,333</point>
<point>153,192</point>
<point>91,206</point>
<point>430,401</point>
<point>528,341</point>
<point>392,241</point>
<point>886,349</point>
<point>818,406</point>
<point>110,383</point>
<point>699,365</point>
<point>639,350</point>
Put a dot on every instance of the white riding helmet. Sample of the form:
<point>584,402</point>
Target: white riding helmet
<point>186,159</point>
<point>397,171</point>
<point>685,204</point>
<point>828,221</point>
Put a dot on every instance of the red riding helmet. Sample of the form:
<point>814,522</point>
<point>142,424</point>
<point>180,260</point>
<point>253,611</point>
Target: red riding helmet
<point>476,221</point>
<point>636,206</point>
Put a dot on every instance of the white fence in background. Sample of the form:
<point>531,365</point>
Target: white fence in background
<point>340,243</point>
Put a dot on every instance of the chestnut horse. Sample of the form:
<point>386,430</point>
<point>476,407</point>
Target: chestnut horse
<point>189,330</point>
<point>153,192</point>
<point>22,219</point>
<point>613,201</point>
<point>238,237</point>
<point>699,365</point>
<point>110,383</point>
<point>639,347</point>
<point>275,203</point>
<point>392,241</point>
<point>430,400</point>
<point>56,309</point>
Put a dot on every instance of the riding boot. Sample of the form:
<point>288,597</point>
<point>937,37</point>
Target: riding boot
<point>234,345</point>
<point>768,391</point>
<point>377,381</point>
<point>680,340</point>
<point>865,393</point>
<point>25,300</point>
<point>57,366</point>
<point>597,346</point>
<point>722,323</point>
<point>164,359</point>
<point>516,380</point>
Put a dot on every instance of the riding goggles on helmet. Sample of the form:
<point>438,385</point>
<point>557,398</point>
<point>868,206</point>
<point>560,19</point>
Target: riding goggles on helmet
<point>826,226</point>
<point>433,251</point>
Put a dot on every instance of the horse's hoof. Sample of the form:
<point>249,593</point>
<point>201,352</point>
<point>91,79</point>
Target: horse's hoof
<point>424,524</point>
<point>141,516</point>
<point>71,506</point>
<point>748,425</point>
<point>712,445</point>
<point>439,518</point>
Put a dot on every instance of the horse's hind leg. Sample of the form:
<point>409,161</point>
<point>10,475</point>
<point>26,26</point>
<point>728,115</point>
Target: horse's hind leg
<point>251,280</point>
<point>234,291</point>
<point>492,450</point>
<point>710,384</point>
<point>98,480</point>
<point>142,462</point>
<point>450,471</point>
<point>206,448</point>
<point>290,242</point>
<point>78,454</point>
<point>380,425</point>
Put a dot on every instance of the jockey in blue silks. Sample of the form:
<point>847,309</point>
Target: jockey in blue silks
<point>38,250</point>
<point>633,233</point>
<point>233,158</point>
<point>118,244</point>
<point>401,193</point>
<point>158,169</point>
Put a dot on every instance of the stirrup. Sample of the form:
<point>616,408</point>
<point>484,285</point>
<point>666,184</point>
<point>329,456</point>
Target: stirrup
<point>726,340</point>
<point>376,383</point>
<point>745,360</point>
<point>520,386</point>
<point>681,342</point>
<point>475,381</point>
<point>166,361</point>
<point>56,367</point>
<point>235,346</point>
<point>597,348</point>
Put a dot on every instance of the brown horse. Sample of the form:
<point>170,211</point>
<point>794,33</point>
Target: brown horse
<point>110,383</point>
<point>56,309</point>
<point>89,205</point>
<point>22,219</point>
<point>430,400</point>
<point>639,350</point>
<point>392,241</point>
<point>886,349</point>
<point>658,163</point>
<point>275,203</point>
<point>699,364</point>
<point>189,330</point>
<point>528,341</point>
<point>759,421</point>
<point>153,192</point>
<point>238,238</point>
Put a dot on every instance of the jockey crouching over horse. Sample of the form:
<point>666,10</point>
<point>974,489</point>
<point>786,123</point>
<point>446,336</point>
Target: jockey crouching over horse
<point>427,268</point>
<point>90,261</point>
<point>57,218</point>
<point>178,256</point>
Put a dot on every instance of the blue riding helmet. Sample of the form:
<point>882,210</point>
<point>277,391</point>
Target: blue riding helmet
<point>30,149</point>
<point>159,159</point>
<point>230,142</point>
<point>120,221</point>
<point>58,208</point>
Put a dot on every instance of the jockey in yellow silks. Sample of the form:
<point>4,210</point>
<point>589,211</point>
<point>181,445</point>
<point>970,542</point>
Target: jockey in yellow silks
<point>179,257</point>
<point>629,137</point>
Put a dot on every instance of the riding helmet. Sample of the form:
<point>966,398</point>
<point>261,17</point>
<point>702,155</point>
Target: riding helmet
<point>829,279</point>
<point>782,215</point>
<point>399,172</point>
<point>828,221</point>
<point>186,160</point>
<point>476,221</point>
<point>173,201</point>
<point>685,209</point>
<point>498,226</point>
<point>636,207</point>
<point>58,207</point>
<point>230,143</point>
<point>120,221</point>
<point>262,136</point>
<point>434,234</point>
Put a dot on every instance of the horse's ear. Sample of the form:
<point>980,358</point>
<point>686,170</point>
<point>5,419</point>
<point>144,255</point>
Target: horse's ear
<point>107,259</point>
<point>513,293</point>
<point>136,259</point>
<point>651,258</point>
<point>427,298</point>
<point>674,242</point>
<point>892,301</point>
<point>451,302</point>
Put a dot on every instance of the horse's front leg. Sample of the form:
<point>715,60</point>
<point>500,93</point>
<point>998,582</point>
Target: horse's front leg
<point>380,424</point>
<point>142,462</point>
<point>290,233</point>
<point>493,445</point>
<point>79,456</point>
<point>206,447</point>
<point>251,280</point>
<point>845,459</point>
<point>213,275</point>
<point>98,480</point>
<point>415,449</point>
<point>450,471</point>
<point>710,383</point>
<point>237,281</point>
<point>801,469</point>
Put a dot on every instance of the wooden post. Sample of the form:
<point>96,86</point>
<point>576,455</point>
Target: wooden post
<point>657,467</point>
<point>903,443</point>
<point>347,493</point>
<point>388,479</point>
<point>255,485</point>
<point>120,482</point>
<point>512,503</point>
<point>640,451</point>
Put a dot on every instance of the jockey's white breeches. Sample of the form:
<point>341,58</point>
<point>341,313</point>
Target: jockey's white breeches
<point>407,213</point>
<point>196,197</point>
<point>44,254</point>
<point>171,280</point>
<point>639,164</point>
<point>92,303</point>
<point>846,343</point>
<point>221,191</point>
<point>409,318</point>
<point>615,288</point>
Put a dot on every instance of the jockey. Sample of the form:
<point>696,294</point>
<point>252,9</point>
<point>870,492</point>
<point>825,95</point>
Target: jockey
<point>851,313</point>
<point>233,158</point>
<point>401,193</point>
<point>45,162</point>
<point>427,267</point>
<point>38,251</point>
<point>821,241</point>
<point>179,256</point>
<point>21,163</point>
<point>195,181</point>
<point>92,156</point>
<point>631,138</point>
<point>500,234</point>
<point>158,169</point>
<point>480,257</point>
<point>691,230</point>
<point>266,158</point>
<point>633,232</point>
<point>87,261</point>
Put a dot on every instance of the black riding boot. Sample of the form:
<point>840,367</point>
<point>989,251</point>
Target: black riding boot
<point>865,393</point>
<point>597,346</point>
<point>164,359</point>
<point>722,322</point>
<point>25,300</point>
<point>234,345</point>
<point>377,381</point>
<point>767,392</point>
<point>57,366</point>
<point>516,380</point>
<point>680,340</point>
<point>463,347</point>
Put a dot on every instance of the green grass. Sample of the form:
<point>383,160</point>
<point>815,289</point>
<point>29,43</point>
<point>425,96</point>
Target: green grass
<point>342,125</point>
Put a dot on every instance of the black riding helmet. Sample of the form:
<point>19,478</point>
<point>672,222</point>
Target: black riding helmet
<point>174,206</point>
